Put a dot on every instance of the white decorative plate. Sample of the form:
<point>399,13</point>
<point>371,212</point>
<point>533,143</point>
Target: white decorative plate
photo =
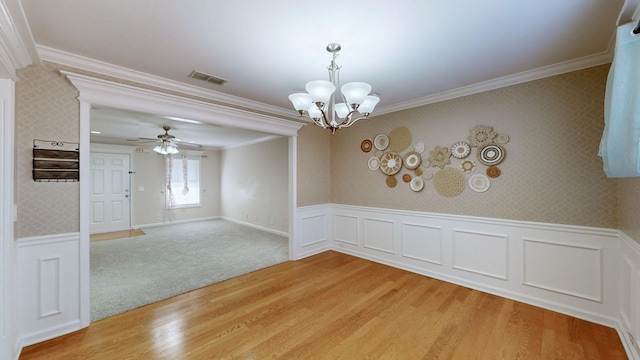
<point>479,182</point>
<point>390,163</point>
<point>419,147</point>
<point>374,163</point>
<point>416,184</point>
<point>412,160</point>
<point>468,166</point>
<point>381,141</point>
<point>460,150</point>
<point>502,139</point>
<point>491,154</point>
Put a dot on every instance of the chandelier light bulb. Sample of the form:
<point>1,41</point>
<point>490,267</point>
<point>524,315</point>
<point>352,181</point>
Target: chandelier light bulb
<point>355,92</point>
<point>320,91</point>
<point>368,104</point>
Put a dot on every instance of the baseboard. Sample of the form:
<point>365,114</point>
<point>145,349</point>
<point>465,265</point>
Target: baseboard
<point>175,222</point>
<point>51,333</point>
<point>258,227</point>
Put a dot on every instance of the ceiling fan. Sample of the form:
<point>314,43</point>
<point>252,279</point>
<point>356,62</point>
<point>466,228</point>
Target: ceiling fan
<point>168,143</point>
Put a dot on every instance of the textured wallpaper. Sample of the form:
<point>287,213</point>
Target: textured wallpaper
<point>314,166</point>
<point>47,109</point>
<point>630,207</point>
<point>551,172</point>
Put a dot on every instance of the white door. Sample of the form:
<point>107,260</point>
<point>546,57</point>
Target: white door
<point>110,195</point>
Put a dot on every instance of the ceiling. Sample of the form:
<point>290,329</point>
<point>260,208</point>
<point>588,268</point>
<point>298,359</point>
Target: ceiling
<point>410,51</point>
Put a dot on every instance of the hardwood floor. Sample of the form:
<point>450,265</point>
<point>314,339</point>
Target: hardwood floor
<point>334,306</point>
<point>115,235</point>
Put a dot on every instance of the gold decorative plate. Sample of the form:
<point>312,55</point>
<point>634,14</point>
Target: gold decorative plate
<point>390,163</point>
<point>412,160</point>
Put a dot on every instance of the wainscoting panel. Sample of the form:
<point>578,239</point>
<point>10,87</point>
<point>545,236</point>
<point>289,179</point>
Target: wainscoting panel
<point>568,269</point>
<point>345,229</point>
<point>312,230</point>
<point>471,249</point>
<point>422,242</point>
<point>379,235</point>
<point>49,286</point>
<point>629,301</point>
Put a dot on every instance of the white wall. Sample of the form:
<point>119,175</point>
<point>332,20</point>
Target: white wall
<point>255,185</point>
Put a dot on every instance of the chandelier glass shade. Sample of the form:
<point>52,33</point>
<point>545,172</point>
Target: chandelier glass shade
<point>318,103</point>
<point>166,148</point>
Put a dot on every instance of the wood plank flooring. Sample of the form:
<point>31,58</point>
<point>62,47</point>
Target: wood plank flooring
<point>115,235</point>
<point>334,306</point>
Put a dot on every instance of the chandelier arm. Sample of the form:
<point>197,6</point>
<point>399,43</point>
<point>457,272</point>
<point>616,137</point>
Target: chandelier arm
<point>347,124</point>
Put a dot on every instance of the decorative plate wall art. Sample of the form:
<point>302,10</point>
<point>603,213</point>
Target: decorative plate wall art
<point>419,147</point>
<point>440,157</point>
<point>493,172</point>
<point>381,141</point>
<point>479,182</point>
<point>468,166</point>
<point>390,163</point>
<point>400,139</point>
<point>491,154</point>
<point>366,145</point>
<point>416,184</point>
<point>460,150</point>
<point>502,139</point>
<point>412,160</point>
<point>406,178</point>
<point>374,163</point>
<point>391,181</point>
<point>449,182</point>
<point>481,135</point>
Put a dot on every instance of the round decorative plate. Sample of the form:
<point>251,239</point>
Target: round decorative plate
<point>416,184</point>
<point>366,145</point>
<point>374,163</point>
<point>419,147</point>
<point>400,139</point>
<point>479,182</point>
<point>427,175</point>
<point>381,141</point>
<point>502,139</point>
<point>449,182</point>
<point>406,178</point>
<point>460,150</point>
<point>412,160</point>
<point>493,172</point>
<point>390,163</point>
<point>491,154</point>
<point>391,181</point>
<point>468,165</point>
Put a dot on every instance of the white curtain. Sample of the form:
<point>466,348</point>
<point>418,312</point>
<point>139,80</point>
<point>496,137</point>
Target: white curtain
<point>168,171</point>
<point>185,175</point>
<point>620,144</point>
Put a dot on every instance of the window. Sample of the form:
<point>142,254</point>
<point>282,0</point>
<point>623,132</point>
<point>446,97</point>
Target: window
<point>182,174</point>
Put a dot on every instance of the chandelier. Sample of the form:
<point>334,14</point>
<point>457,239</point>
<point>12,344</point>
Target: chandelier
<point>319,105</point>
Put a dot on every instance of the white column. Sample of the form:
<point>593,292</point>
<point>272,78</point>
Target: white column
<point>8,264</point>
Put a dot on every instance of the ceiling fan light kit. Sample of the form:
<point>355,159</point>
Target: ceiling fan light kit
<point>318,103</point>
<point>167,147</point>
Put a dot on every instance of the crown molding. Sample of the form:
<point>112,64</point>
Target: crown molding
<point>17,48</point>
<point>103,68</point>
<point>525,76</point>
<point>100,92</point>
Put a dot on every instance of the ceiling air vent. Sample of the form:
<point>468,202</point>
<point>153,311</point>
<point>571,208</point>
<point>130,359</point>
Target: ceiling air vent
<point>206,77</point>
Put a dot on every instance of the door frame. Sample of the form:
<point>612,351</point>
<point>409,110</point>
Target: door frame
<point>121,150</point>
<point>99,92</point>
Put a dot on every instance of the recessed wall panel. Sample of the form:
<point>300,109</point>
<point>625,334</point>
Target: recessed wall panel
<point>49,286</point>
<point>345,229</point>
<point>313,230</point>
<point>97,213</point>
<point>568,269</point>
<point>480,253</point>
<point>379,235</point>
<point>422,242</point>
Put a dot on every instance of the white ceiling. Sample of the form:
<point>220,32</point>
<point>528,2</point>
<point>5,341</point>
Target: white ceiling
<point>408,50</point>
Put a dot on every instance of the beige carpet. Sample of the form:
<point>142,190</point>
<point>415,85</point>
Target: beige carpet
<point>169,260</point>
